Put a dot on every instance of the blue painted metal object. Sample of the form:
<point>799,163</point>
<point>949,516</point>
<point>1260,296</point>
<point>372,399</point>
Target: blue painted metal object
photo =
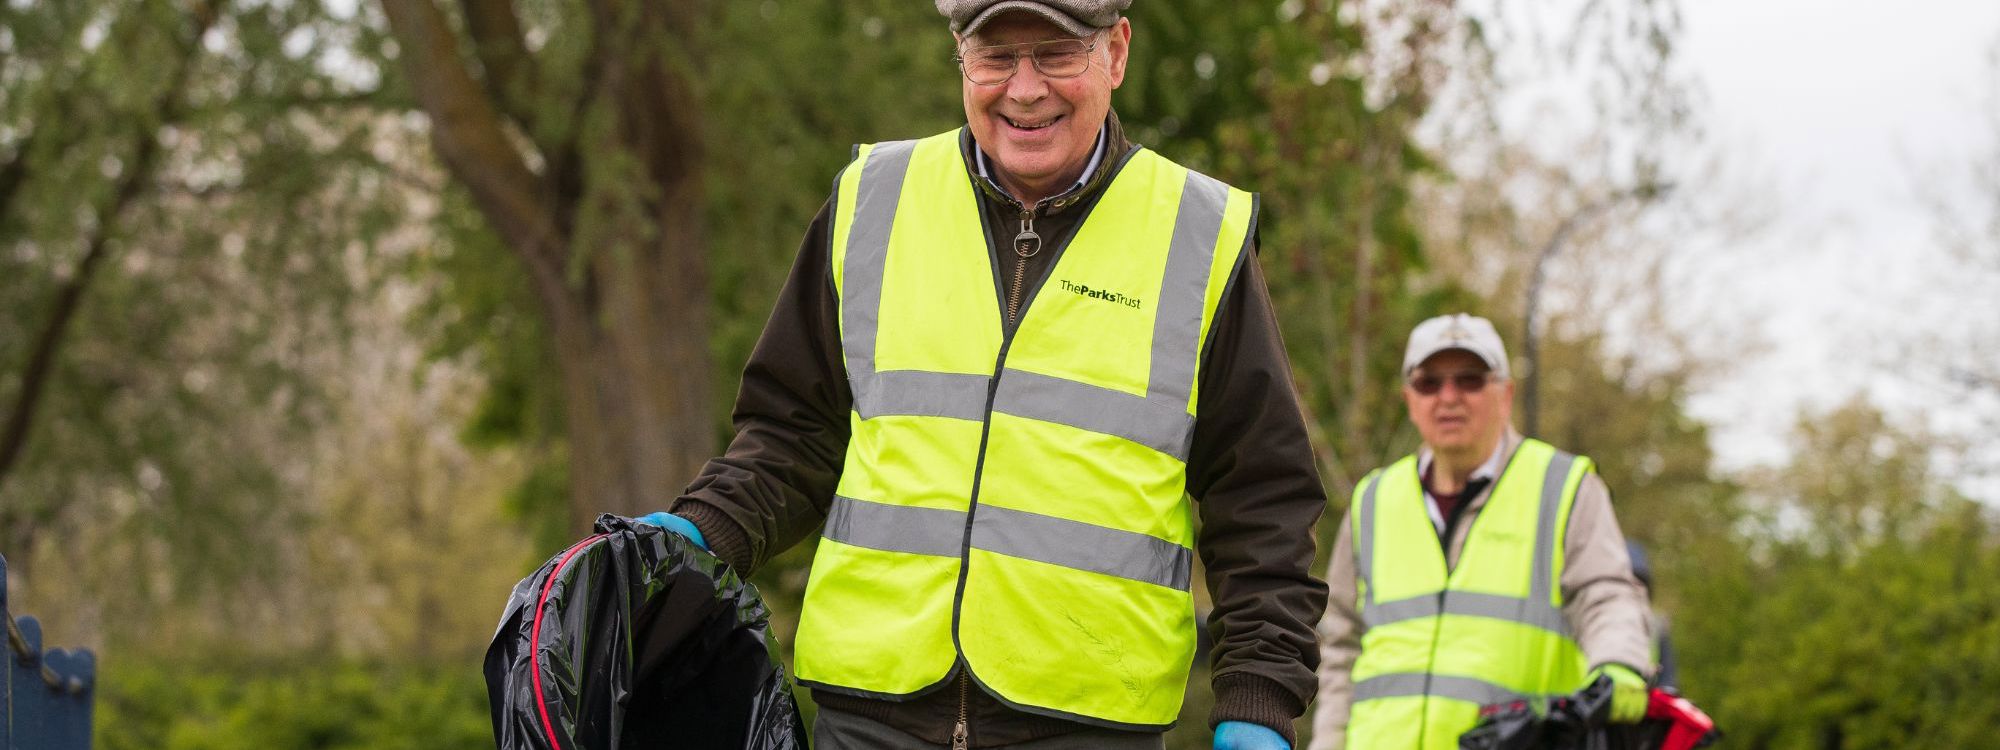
<point>45,696</point>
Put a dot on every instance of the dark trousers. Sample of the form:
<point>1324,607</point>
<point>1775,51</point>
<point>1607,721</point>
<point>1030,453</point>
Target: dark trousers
<point>836,730</point>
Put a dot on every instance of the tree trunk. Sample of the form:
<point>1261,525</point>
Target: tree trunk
<point>17,426</point>
<point>636,386</point>
<point>609,230</point>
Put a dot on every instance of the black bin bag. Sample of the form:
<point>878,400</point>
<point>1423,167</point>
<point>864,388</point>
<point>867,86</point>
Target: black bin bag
<point>1582,721</point>
<point>635,638</point>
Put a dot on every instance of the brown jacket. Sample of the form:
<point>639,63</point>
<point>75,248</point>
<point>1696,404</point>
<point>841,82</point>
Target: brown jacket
<point>1250,470</point>
<point>1602,601</point>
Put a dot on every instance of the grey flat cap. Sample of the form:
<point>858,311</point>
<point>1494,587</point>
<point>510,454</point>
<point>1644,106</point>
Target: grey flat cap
<point>1078,17</point>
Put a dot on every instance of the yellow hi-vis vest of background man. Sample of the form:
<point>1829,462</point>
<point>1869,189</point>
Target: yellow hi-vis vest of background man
<point>1017,502</point>
<point>1440,643</point>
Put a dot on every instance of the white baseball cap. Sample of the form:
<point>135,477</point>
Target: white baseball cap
<point>1456,331</point>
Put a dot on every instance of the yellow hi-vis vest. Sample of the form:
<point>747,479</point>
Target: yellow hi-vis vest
<point>1018,503</point>
<point>1437,644</point>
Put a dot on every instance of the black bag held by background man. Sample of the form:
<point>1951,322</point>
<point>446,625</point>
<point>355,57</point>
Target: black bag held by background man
<point>636,638</point>
<point>1582,722</point>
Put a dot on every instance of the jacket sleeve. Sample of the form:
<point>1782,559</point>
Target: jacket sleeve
<point>1251,472</point>
<point>773,485</point>
<point>1339,645</point>
<point>1603,602</point>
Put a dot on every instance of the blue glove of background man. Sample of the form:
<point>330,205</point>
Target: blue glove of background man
<point>677,525</point>
<point>1628,692</point>
<point>1243,735</point>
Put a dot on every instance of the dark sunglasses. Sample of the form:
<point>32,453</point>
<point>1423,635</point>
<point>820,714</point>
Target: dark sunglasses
<point>1429,384</point>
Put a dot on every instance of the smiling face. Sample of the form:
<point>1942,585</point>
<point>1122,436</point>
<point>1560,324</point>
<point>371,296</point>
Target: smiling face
<point>1040,131</point>
<point>1460,423</point>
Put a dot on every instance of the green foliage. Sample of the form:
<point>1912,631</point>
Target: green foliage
<point>305,706</point>
<point>540,503</point>
<point>1858,479</point>
<point>226,212</point>
<point>1651,453</point>
<point>793,87</point>
<point>1854,610</point>
<point>1291,100</point>
<point>1883,646</point>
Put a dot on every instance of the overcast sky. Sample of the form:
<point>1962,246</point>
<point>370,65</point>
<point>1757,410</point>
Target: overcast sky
<point>1846,108</point>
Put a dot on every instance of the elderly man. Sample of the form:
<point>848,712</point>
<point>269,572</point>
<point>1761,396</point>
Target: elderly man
<point>1011,365</point>
<point>1447,588</point>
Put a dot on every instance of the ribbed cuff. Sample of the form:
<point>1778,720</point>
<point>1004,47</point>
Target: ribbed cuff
<point>724,537</point>
<point>1241,696</point>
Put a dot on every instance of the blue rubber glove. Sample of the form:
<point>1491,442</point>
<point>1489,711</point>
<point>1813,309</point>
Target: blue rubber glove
<point>1628,692</point>
<point>1243,735</point>
<point>677,525</point>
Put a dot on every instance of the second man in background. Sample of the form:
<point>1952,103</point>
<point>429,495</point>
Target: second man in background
<point>1486,567</point>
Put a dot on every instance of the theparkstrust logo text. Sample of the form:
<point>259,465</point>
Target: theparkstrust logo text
<point>1103,294</point>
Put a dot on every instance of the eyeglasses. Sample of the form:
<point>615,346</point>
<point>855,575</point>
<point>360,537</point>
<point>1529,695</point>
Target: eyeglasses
<point>1055,58</point>
<point>1429,384</point>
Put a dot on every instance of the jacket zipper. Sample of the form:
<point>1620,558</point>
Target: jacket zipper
<point>1026,244</point>
<point>959,733</point>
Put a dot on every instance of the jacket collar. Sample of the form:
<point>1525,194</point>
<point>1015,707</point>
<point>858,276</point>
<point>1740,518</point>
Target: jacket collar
<point>984,166</point>
<point>1510,441</point>
<point>1488,469</point>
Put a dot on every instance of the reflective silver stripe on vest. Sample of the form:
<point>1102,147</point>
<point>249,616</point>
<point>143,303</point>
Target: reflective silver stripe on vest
<point>1525,611</point>
<point>1151,422</point>
<point>897,392</point>
<point>919,394</point>
<point>875,199</point>
<point>1541,587</point>
<point>1537,610</point>
<point>1406,685</point>
<point>1364,538</point>
<point>1184,291</point>
<point>895,528</point>
<point>1159,420</point>
<point>1074,544</point>
<point>1029,536</point>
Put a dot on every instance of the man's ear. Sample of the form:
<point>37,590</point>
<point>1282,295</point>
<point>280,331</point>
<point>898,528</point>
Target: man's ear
<point>1118,43</point>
